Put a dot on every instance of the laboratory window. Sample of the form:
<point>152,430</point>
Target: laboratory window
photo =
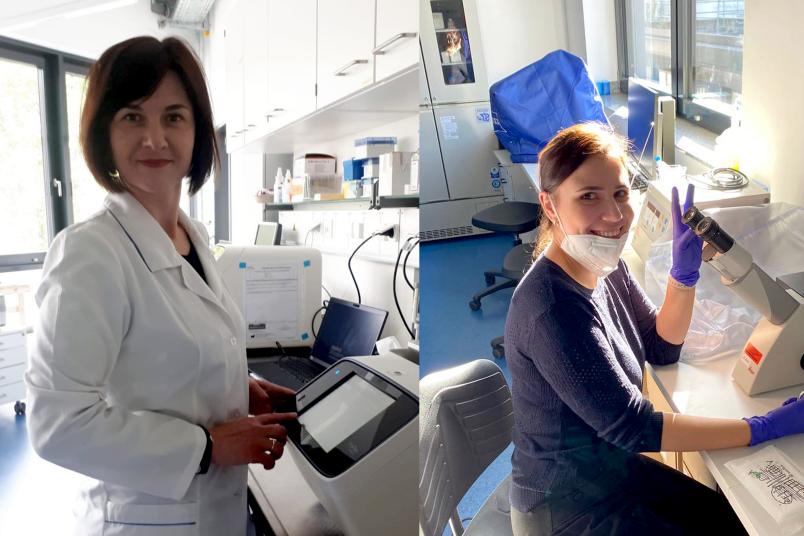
<point>87,195</point>
<point>690,49</point>
<point>45,185</point>
<point>23,212</point>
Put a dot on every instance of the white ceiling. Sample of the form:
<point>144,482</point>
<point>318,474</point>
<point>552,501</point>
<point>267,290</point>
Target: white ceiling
<point>78,27</point>
<point>33,12</point>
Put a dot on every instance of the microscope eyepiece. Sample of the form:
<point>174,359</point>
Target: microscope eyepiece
<point>691,217</point>
<point>709,230</point>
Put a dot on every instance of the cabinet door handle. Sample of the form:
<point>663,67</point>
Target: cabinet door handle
<point>342,70</point>
<point>380,48</point>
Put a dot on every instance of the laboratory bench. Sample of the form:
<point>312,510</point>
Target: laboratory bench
<point>707,390</point>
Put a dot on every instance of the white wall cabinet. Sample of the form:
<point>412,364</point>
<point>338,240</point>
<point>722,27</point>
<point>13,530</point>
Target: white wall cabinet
<point>233,41</point>
<point>285,60</point>
<point>255,69</point>
<point>291,61</point>
<point>396,45</point>
<point>345,44</point>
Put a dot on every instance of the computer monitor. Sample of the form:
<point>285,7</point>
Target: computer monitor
<point>268,234</point>
<point>348,329</point>
<point>651,125</point>
<point>278,290</point>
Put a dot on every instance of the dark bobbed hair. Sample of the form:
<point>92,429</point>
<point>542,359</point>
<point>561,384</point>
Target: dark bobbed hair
<point>565,153</point>
<point>130,71</point>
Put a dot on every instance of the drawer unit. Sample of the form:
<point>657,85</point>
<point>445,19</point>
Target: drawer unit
<point>13,374</point>
<point>12,356</point>
<point>13,360</point>
<point>14,339</point>
<point>12,392</point>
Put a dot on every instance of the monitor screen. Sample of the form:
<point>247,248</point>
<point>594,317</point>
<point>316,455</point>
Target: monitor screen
<point>641,115</point>
<point>348,329</point>
<point>343,412</point>
<point>268,234</point>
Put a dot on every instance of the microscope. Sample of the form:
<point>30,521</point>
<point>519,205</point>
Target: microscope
<point>773,357</point>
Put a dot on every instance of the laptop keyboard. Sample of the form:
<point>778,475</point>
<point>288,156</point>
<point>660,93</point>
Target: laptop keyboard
<point>301,369</point>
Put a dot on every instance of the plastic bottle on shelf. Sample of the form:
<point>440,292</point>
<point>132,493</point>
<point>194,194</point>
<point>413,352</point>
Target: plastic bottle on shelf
<point>278,186</point>
<point>286,187</point>
<point>661,167</point>
<point>665,171</point>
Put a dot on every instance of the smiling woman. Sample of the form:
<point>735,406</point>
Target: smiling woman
<point>167,75</point>
<point>152,140</point>
<point>137,376</point>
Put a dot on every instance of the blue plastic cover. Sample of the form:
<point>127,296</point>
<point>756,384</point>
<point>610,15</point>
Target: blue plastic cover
<point>530,106</point>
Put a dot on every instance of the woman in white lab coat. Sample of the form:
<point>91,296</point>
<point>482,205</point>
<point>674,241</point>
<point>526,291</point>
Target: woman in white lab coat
<point>138,374</point>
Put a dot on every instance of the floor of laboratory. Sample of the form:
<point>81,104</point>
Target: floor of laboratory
<point>452,334</point>
<point>36,497</point>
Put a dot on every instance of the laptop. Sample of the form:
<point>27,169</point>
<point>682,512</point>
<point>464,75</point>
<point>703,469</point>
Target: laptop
<point>347,329</point>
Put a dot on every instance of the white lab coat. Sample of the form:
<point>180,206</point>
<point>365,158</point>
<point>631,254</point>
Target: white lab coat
<point>132,351</point>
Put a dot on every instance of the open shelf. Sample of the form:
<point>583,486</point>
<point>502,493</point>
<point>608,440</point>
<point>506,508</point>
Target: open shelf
<point>387,101</point>
<point>364,203</point>
<point>398,201</point>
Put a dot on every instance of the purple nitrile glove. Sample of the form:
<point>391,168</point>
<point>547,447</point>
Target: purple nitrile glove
<point>787,419</point>
<point>687,246</point>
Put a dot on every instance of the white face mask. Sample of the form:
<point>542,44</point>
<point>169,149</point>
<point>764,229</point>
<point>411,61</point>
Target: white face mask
<point>597,254</point>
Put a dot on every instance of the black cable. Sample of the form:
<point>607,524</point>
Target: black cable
<point>315,314</point>
<point>325,290</point>
<point>349,265</point>
<point>281,349</point>
<point>405,262</point>
<point>396,298</point>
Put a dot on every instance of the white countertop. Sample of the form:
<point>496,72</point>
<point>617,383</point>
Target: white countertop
<point>707,390</point>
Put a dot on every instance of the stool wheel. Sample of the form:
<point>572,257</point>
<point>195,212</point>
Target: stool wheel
<point>19,408</point>
<point>474,305</point>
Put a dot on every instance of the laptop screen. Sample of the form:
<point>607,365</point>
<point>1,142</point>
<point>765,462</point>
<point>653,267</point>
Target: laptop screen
<point>347,330</point>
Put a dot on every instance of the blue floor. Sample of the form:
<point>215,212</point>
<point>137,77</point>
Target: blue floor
<point>36,497</point>
<point>452,334</point>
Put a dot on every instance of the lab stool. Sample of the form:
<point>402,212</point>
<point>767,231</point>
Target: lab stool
<point>515,217</point>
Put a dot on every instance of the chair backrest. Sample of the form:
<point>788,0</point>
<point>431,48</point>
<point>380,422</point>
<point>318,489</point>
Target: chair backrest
<point>465,421</point>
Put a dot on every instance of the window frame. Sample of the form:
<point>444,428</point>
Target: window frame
<point>55,152</point>
<point>682,48</point>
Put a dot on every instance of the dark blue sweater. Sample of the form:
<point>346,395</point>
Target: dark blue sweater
<point>576,358</point>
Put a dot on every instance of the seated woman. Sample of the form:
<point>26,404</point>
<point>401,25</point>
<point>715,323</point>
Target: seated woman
<point>578,333</point>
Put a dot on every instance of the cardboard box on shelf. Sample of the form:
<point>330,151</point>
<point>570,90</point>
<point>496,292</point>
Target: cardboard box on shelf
<point>314,164</point>
<point>394,173</point>
<point>373,147</point>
